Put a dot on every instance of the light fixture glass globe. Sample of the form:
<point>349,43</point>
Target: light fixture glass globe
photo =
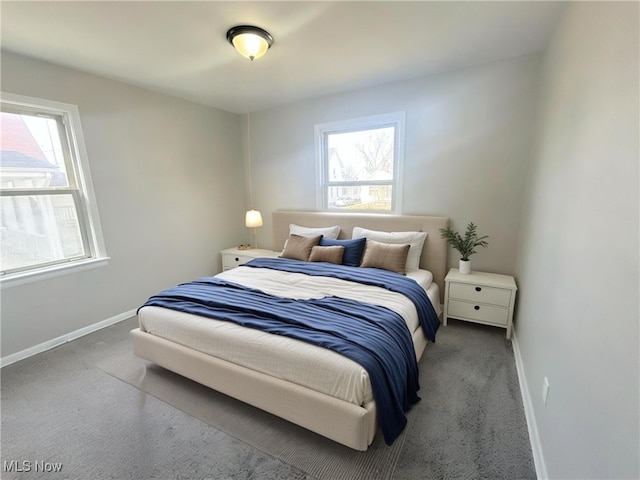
<point>251,42</point>
<point>250,45</point>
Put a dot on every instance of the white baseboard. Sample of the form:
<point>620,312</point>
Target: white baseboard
<point>48,345</point>
<point>534,437</point>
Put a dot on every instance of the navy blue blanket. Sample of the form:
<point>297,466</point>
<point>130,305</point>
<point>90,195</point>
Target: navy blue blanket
<point>374,337</point>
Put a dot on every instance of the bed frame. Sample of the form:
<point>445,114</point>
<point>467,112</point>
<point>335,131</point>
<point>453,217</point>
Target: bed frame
<point>351,425</point>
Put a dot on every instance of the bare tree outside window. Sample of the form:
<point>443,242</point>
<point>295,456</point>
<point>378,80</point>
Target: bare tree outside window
<point>377,152</point>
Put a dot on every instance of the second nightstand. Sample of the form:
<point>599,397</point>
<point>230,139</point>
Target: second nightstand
<point>480,297</point>
<point>234,257</point>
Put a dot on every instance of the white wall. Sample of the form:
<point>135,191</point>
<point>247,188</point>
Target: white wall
<point>468,140</point>
<point>578,315</point>
<point>168,178</point>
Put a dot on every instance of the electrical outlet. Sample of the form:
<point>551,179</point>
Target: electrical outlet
<point>545,390</point>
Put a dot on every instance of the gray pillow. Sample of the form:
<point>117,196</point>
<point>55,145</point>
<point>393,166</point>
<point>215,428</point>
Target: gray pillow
<point>332,254</point>
<point>299,248</point>
<point>387,256</point>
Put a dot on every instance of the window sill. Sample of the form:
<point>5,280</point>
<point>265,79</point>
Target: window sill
<point>51,272</point>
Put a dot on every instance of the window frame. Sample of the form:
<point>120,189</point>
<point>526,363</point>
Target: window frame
<point>80,188</point>
<point>393,119</point>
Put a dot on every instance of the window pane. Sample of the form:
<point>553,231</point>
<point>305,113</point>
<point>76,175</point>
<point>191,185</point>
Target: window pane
<point>32,155</point>
<point>38,229</point>
<point>363,155</point>
<point>360,197</point>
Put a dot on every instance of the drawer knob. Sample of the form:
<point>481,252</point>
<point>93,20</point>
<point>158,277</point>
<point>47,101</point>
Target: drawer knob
<point>237,259</point>
<point>476,307</point>
<point>478,289</point>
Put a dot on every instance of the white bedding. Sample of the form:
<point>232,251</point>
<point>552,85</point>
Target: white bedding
<point>289,359</point>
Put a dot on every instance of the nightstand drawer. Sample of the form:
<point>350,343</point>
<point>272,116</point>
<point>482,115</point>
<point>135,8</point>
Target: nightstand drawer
<point>233,261</point>
<point>234,257</point>
<point>482,313</point>
<point>480,294</point>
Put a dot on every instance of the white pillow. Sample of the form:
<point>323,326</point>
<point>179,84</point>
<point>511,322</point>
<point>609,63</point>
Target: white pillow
<point>327,232</point>
<point>414,239</point>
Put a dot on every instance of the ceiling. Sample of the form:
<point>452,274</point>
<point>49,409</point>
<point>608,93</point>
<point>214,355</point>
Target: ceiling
<point>179,47</point>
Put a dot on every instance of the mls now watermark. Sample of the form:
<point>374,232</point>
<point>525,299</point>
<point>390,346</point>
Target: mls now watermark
<point>19,466</point>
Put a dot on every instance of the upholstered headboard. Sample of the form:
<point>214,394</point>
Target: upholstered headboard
<point>434,252</point>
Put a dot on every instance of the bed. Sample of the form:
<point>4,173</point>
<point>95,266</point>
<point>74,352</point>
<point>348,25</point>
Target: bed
<point>325,391</point>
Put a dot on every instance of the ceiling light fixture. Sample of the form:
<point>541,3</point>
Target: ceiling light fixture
<point>251,42</point>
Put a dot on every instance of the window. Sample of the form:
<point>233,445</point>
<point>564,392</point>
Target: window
<point>359,164</point>
<point>48,219</point>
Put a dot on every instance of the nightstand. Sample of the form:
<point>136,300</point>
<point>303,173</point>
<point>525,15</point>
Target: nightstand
<point>234,257</point>
<point>480,297</point>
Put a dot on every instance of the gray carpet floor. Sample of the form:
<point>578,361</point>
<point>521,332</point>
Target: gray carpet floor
<point>60,410</point>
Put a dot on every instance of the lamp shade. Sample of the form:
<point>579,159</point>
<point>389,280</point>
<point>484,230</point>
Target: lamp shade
<point>251,42</point>
<point>253,219</point>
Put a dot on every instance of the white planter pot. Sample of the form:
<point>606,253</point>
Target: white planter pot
<point>465,267</point>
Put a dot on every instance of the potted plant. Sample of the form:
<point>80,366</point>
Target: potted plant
<point>465,245</point>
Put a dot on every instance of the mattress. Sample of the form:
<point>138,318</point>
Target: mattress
<point>292,360</point>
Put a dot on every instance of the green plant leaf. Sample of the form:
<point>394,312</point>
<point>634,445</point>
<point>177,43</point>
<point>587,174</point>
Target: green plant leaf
<point>465,245</point>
